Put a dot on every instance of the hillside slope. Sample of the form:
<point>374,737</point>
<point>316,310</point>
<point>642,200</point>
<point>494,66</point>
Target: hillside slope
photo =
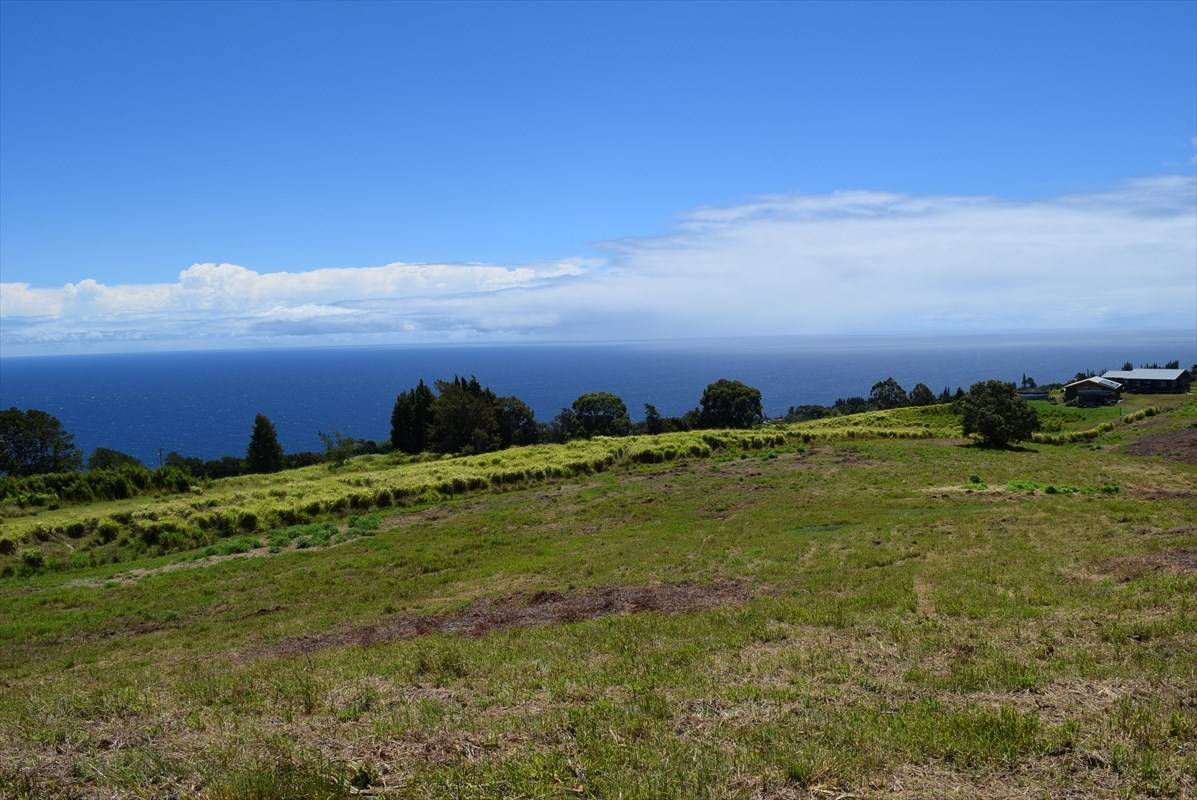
<point>869,617</point>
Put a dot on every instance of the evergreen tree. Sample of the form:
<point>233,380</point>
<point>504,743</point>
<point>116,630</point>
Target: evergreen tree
<point>653,424</point>
<point>921,395</point>
<point>946,395</point>
<point>888,394</point>
<point>411,419</point>
<point>265,454</point>
<point>465,418</point>
<point>517,423</point>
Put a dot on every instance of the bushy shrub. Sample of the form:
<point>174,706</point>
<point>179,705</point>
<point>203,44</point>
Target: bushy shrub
<point>994,411</point>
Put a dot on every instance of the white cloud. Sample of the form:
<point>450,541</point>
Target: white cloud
<point>1124,257</point>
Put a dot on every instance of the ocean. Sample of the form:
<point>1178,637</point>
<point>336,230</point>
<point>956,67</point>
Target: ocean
<point>203,403</point>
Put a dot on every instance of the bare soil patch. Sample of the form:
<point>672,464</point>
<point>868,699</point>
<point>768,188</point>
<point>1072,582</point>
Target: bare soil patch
<point>1177,562</point>
<point>1177,445</point>
<point>522,611</point>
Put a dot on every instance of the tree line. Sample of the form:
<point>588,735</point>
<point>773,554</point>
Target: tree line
<point>462,416</point>
<point>884,395</point>
<point>458,416</point>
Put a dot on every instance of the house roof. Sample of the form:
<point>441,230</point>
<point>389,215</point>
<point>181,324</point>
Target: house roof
<point>1102,383</point>
<point>1144,374</point>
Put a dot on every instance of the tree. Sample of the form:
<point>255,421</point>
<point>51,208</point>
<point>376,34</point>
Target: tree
<point>1127,366</point>
<point>106,458</point>
<point>730,404</point>
<point>806,412</point>
<point>653,423</point>
<point>33,442</point>
<point>601,414</point>
<point>264,454</point>
<point>849,405</point>
<point>888,394</point>
<point>1028,382</point>
<point>1175,364</point>
<point>411,419</point>
<point>465,418</point>
<point>994,411</point>
<point>517,423</point>
<point>946,395</point>
<point>921,395</point>
<point>337,448</point>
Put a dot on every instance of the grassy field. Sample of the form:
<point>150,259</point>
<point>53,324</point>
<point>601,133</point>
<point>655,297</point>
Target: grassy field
<point>859,607</point>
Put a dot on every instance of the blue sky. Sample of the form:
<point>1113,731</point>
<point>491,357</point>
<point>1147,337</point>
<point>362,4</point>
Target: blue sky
<point>563,147</point>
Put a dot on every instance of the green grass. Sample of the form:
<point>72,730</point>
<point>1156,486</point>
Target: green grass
<point>925,618</point>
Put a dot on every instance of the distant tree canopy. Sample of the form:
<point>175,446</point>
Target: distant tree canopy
<point>888,394</point>
<point>412,418</point>
<point>517,423</point>
<point>466,418</point>
<point>653,422</point>
<point>730,404</point>
<point>337,448</point>
<point>105,458</point>
<point>600,414</point>
<point>994,411</point>
<point>921,395</point>
<point>264,453</point>
<point>33,442</point>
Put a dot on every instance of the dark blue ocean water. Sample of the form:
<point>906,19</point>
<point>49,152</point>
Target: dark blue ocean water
<point>203,403</point>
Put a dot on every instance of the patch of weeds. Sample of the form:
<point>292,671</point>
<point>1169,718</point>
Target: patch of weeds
<point>968,737</point>
<point>365,524</point>
<point>283,779</point>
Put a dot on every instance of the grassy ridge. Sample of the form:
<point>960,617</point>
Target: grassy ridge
<point>122,529</point>
<point>906,635</point>
<point>39,537</point>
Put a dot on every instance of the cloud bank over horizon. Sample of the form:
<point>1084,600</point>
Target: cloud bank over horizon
<point>853,261</point>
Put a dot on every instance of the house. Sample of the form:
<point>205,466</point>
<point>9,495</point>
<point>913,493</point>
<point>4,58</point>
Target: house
<point>1093,392</point>
<point>1152,381</point>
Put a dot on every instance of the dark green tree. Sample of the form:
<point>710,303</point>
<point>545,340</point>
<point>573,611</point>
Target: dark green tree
<point>888,394</point>
<point>264,454</point>
<point>730,404</point>
<point>33,442</point>
<point>807,412</point>
<point>994,411</point>
<point>106,458</point>
<point>946,395</point>
<point>412,418</point>
<point>465,418</point>
<point>653,423</point>
<point>849,405</point>
<point>921,395</point>
<point>1127,366</point>
<point>601,414</point>
<point>1027,382</point>
<point>517,423</point>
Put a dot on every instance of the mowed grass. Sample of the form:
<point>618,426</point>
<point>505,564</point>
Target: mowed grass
<point>908,631</point>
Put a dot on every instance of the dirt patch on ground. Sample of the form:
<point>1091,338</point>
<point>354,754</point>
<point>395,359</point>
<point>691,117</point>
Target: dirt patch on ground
<point>1177,445</point>
<point>1174,562</point>
<point>1141,493</point>
<point>522,611</point>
